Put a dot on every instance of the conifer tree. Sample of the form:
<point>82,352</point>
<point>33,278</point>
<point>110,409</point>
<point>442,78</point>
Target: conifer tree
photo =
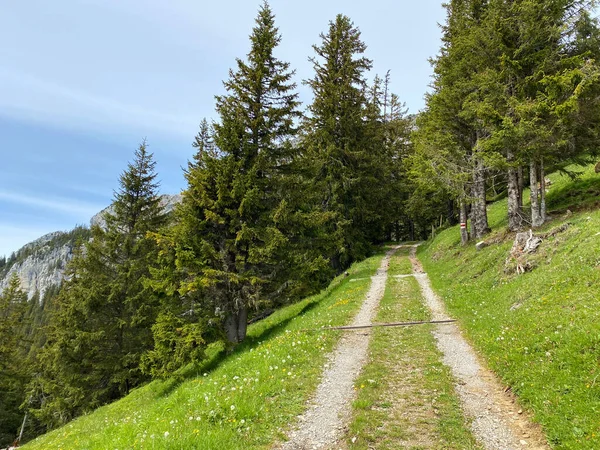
<point>447,150</point>
<point>535,91</point>
<point>14,371</point>
<point>228,251</point>
<point>100,322</point>
<point>338,141</point>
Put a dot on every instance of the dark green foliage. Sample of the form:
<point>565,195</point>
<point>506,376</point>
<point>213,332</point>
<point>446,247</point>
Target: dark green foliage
<point>100,322</point>
<point>339,150</point>
<point>229,250</point>
<point>514,88</point>
<point>13,364</point>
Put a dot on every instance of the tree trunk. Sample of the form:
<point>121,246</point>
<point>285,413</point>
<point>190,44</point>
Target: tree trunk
<point>231,328</point>
<point>514,211</point>
<point>480,221</point>
<point>536,218</point>
<point>242,325</point>
<point>464,234</point>
<point>521,179</point>
<point>236,324</point>
<point>542,192</point>
<point>470,213</point>
<point>451,213</point>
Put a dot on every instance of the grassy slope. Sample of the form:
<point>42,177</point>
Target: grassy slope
<point>539,331</point>
<point>406,395</point>
<point>243,400</point>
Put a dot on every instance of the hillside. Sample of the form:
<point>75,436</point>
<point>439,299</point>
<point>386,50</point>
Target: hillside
<point>539,331</point>
<point>238,400</point>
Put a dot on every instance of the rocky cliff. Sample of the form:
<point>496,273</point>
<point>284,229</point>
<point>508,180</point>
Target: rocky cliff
<point>41,263</point>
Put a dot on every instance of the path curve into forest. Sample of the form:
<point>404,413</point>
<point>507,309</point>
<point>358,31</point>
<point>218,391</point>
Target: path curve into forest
<point>496,420</point>
<point>324,422</point>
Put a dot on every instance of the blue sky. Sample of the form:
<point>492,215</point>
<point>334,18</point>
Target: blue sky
<point>82,82</point>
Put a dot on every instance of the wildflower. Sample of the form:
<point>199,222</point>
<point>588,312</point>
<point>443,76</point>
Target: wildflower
<point>166,434</point>
<point>232,407</point>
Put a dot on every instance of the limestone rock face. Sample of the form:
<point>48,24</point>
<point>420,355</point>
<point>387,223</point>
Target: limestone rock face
<point>40,264</point>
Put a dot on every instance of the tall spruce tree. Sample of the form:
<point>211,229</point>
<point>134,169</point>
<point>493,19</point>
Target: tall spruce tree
<point>447,142</point>
<point>100,322</point>
<point>228,251</point>
<point>338,141</point>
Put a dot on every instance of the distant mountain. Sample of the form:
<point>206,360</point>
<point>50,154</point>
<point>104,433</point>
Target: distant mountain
<point>41,263</point>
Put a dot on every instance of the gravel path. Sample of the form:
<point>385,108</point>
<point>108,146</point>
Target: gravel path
<point>323,424</point>
<point>497,421</point>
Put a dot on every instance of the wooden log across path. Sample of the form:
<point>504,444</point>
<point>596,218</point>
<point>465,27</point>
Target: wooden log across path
<point>374,325</point>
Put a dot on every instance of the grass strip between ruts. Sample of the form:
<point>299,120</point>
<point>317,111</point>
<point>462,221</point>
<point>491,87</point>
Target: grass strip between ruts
<point>405,395</point>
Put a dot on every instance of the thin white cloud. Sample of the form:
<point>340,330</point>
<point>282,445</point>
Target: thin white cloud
<point>70,207</point>
<point>28,97</point>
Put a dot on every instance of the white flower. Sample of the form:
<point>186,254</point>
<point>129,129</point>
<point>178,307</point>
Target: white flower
<point>232,407</point>
<point>166,434</point>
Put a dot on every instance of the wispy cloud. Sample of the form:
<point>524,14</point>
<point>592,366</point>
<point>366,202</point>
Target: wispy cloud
<point>70,207</point>
<point>30,98</point>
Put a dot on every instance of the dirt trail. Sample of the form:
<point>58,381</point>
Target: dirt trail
<point>323,424</point>
<point>496,419</point>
